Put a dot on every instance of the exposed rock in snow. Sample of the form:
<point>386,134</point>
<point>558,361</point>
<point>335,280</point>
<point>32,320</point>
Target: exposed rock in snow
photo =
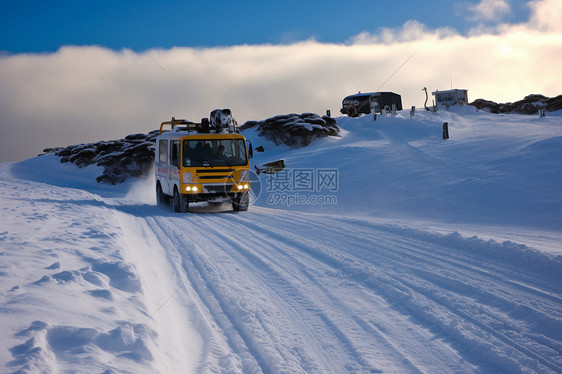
<point>529,105</point>
<point>121,159</point>
<point>295,130</point>
<point>133,156</point>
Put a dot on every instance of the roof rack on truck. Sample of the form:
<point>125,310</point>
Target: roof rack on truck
<point>184,125</point>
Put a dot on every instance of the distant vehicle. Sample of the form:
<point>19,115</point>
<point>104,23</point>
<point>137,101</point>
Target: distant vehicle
<point>203,162</point>
<point>365,103</point>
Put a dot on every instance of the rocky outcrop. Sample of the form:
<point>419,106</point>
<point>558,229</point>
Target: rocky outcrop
<point>121,159</point>
<point>133,156</point>
<point>529,105</point>
<point>295,130</point>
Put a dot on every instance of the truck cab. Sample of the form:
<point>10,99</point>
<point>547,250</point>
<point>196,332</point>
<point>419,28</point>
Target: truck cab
<point>194,163</point>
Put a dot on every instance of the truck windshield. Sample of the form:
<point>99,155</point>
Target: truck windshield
<point>214,152</point>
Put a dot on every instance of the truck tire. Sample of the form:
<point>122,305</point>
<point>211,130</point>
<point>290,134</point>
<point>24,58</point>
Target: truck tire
<point>242,202</point>
<point>181,204</point>
<point>161,199</point>
<point>352,111</point>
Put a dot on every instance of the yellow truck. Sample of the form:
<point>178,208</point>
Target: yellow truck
<point>207,161</point>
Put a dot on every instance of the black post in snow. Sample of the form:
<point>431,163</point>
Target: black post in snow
<point>445,130</point>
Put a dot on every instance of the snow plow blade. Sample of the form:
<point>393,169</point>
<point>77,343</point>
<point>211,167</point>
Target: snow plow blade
<point>271,167</point>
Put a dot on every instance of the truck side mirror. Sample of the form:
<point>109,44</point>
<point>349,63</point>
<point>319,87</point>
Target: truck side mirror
<point>250,150</point>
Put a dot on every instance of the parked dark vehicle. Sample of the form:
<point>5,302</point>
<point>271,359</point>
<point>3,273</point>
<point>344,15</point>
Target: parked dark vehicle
<point>355,105</point>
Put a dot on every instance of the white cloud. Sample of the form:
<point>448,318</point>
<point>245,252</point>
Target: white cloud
<point>411,31</point>
<point>490,10</point>
<point>83,94</point>
<point>546,15</point>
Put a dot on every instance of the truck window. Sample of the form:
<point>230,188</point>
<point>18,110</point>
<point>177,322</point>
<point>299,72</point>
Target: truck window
<point>175,153</point>
<point>205,152</point>
<point>163,151</point>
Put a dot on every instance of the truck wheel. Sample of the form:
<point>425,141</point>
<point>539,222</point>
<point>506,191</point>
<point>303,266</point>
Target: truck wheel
<point>352,111</point>
<point>242,202</point>
<point>161,199</point>
<point>181,204</point>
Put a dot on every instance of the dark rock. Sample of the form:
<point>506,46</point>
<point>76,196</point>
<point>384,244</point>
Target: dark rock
<point>133,156</point>
<point>554,104</point>
<point>136,137</point>
<point>486,104</point>
<point>83,157</point>
<point>120,159</point>
<point>529,105</point>
<point>293,129</point>
<point>528,108</point>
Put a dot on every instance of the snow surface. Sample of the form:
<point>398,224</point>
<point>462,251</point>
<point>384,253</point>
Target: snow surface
<point>441,256</point>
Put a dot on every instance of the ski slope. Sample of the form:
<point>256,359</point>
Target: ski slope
<point>437,256</point>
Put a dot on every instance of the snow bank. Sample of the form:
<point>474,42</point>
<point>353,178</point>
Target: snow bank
<point>497,169</point>
<point>74,296</point>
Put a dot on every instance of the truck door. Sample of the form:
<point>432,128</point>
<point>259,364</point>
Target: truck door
<point>162,165</point>
<point>174,170</point>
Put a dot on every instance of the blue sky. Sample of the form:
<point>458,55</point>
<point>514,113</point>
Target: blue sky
<point>45,26</point>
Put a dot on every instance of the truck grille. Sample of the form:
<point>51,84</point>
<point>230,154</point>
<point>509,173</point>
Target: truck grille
<point>206,171</point>
<point>217,188</point>
<point>216,177</point>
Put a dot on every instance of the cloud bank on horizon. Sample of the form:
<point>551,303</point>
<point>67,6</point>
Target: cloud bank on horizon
<point>87,93</point>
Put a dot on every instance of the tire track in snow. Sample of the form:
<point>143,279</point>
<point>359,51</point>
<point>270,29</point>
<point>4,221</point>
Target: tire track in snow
<point>315,310</point>
<point>285,291</point>
<point>445,272</point>
<point>491,337</point>
<point>468,307</point>
<point>264,326</point>
<point>292,241</point>
<point>211,340</point>
<point>464,261</point>
<point>189,243</point>
<point>494,289</point>
<point>494,301</point>
<point>284,284</point>
<point>504,361</point>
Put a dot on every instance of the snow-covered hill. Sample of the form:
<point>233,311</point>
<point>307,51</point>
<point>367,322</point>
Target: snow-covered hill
<point>386,249</point>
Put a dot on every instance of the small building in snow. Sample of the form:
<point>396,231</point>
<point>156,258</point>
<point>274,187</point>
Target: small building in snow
<point>447,98</point>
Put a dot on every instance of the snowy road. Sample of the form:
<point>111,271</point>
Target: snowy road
<point>294,292</point>
<point>264,291</point>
